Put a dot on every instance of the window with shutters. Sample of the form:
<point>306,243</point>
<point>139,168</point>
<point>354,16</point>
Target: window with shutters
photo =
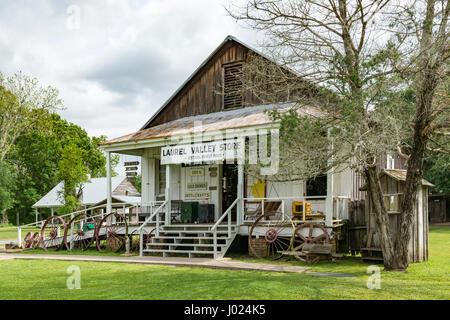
<point>232,86</point>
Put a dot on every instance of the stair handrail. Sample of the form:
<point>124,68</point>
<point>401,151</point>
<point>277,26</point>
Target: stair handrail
<point>214,228</point>
<point>140,229</point>
<point>225,214</point>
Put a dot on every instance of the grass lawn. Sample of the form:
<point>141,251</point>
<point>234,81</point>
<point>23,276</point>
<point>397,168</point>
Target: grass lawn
<point>10,233</point>
<point>23,279</point>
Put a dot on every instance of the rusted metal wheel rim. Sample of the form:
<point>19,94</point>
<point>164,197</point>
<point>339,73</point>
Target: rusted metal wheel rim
<point>52,225</point>
<point>36,241</point>
<point>79,238</point>
<point>277,237</point>
<point>27,241</point>
<point>147,239</point>
<point>116,231</point>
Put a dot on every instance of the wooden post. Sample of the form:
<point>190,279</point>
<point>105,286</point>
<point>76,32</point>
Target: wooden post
<point>108,183</point>
<point>240,187</point>
<point>329,200</point>
<point>19,235</point>
<point>168,181</point>
<point>240,194</point>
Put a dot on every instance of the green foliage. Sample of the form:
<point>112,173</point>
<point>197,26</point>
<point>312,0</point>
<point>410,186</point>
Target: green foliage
<point>437,171</point>
<point>73,171</point>
<point>36,156</point>
<point>137,182</point>
<point>6,181</point>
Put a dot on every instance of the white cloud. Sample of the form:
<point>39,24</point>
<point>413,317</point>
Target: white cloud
<point>125,59</point>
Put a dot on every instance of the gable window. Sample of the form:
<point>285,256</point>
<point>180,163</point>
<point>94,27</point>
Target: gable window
<point>390,162</point>
<point>232,86</point>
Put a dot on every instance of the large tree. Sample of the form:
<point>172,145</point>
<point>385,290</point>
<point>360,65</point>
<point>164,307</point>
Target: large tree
<point>37,157</point>
<point>24,104</point>
<point>359,51</point>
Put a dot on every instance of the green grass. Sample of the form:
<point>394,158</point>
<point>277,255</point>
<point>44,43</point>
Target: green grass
<point>29,279</point>
<point>10,233</point>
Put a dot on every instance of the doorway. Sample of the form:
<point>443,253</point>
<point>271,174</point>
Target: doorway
<point>229,188</point>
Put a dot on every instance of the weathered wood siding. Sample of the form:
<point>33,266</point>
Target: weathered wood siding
<point>363,237</point>
<point>203,93</point>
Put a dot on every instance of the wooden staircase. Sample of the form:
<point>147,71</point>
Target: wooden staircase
<point>192,240</point>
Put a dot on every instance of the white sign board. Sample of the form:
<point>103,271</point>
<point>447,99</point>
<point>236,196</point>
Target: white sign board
<point>201,152</point>
<point>197,195</point>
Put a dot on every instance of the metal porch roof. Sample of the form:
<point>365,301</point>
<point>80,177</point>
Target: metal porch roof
<point>231,119</point>
<point>93,192</point>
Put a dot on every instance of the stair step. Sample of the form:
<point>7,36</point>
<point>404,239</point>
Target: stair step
<point>179,251</point>
<point>160,244</point>
<point>194,231</point>
<point>190,238</point>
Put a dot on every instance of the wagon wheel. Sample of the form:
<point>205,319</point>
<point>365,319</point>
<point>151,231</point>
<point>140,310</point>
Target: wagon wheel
<point>36,241</point>
<point>52,233</point>
<point>134,237</point>
<point>111,232</point>
<point>80,232</point>
<point>27,241</point>
<point>316,233</point>
<point>268,239</point>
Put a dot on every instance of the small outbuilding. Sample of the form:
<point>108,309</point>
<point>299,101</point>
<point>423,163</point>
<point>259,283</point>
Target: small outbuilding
<point>392,184</point>
<point>93,192</point>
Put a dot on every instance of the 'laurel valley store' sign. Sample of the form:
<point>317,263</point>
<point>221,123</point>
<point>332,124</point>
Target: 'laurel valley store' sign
<point>201,152</point>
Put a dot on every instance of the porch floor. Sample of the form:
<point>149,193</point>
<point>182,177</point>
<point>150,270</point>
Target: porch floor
<point>169,261</point>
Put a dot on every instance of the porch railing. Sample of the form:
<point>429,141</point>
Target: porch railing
<point>340,207</point>
<point>140,230</point>
<point>138,207</point>
<point>227,214</point>
<point>318,203</point>
<point>318,206</point>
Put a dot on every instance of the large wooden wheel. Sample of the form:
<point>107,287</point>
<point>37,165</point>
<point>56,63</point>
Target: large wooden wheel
<point>309,233</point>
<point>52,233</point>
<point>80,232</point>
<point>271,235</point>
<point>111,232</point>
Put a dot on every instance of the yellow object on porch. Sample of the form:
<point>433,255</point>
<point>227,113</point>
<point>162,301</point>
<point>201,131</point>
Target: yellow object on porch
<point>297,208</point>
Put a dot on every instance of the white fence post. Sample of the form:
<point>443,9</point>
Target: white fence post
<point>19,234</point>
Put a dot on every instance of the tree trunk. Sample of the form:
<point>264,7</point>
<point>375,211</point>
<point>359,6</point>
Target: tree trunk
<point>381,219</point>
<point>415,169</point>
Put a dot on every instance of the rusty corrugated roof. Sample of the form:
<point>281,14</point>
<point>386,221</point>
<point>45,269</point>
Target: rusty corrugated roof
<point>400,175</point>
<point>238,118</point>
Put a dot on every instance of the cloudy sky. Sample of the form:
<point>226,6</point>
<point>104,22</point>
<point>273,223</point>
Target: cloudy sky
<point>114,61</point>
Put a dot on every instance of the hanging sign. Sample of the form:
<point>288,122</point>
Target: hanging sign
<point>197,195</point>
<point>196,172</point>
<point>197,186</point>
<point>201,152</point>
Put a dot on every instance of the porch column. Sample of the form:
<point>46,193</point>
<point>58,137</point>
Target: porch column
<point>167,196</point>
<point>240,192</point>
<point>108,183</point>
<point>329,200</point>
<point>240,186</point>
<point>36,213</point>
<point>145,181</point>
